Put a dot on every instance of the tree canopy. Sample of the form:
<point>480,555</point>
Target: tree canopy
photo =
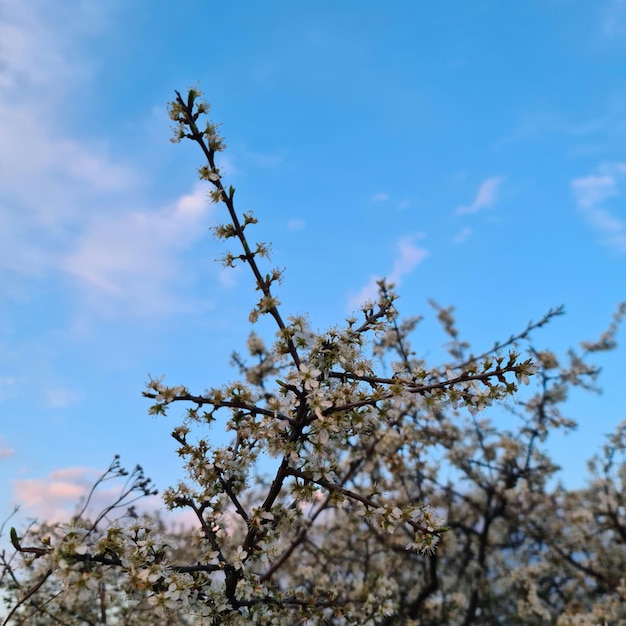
<point>362,484</point>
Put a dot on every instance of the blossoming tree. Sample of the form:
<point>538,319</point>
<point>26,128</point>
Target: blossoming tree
<point>393,498</point>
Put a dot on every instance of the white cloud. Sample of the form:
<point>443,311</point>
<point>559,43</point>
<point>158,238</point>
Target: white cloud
<point>464,234</point>
<point>592,193</point>
<point>368,292</point>
<point>226,165</point>
<point>228,277</point>
<point>48,176</point>
<point>58,398</point>
<point>69,204</point>
<point>408,257</point>
<point>614,18</point>
<point>261,159</point>
<point>379,197</point>
<point>7,386</point>
<point>592,190</point>
<point>40,70</point>
<point>485,197</point>
<point>295,224</point>
<point>33,57</point>
<point>129,258</point>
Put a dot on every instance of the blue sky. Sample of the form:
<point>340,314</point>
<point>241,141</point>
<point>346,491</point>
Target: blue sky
<point>472,151</point>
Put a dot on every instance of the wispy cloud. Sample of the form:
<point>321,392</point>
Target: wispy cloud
<point>47,175</point>
<point>593,190</point>
<point>59,398</point>
<point>130,258</point>
<point>592,193</point>
<point>228,277</point>
<point>381,196</point>
<point>40,70</point>
<point>261,159</point>
<point>543,123</point>
<point>69,205</point>
<point>5,450</point>
<point>408,257</point>
<point>295,224</point>
<point>614,18</point>
<point>7,386</point>
<point>56,497</point>
<point>464,234</point>
<point>487,194</point>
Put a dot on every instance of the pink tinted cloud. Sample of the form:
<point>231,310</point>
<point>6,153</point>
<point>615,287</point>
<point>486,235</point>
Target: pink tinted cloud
<point>58,496</point>
<point>6,451</point>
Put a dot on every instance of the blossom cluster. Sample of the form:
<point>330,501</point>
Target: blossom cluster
<point>391,500</point>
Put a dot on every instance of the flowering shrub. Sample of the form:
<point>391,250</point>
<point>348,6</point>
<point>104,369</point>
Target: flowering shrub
<point>393,500</point>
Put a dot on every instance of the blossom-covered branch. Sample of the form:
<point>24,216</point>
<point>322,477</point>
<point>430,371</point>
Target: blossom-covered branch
<point>361,484</point>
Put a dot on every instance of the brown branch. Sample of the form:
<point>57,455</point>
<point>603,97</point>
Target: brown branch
<point>189,119</point>
<point>31,592</point>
